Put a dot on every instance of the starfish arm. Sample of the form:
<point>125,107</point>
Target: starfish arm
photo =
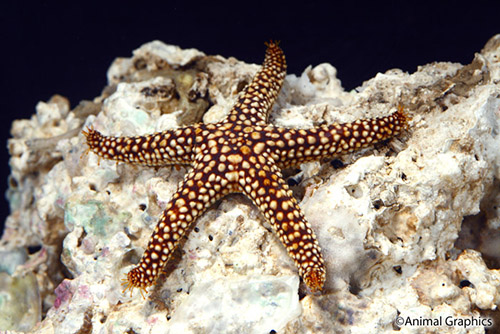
<point>291,147</point>
<point>163,148</point>
<point>270,193</point>
<point>194,195</point>
<point>256,100</point>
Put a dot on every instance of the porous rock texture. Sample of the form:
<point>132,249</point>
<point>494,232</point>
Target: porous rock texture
<point>409,228</point>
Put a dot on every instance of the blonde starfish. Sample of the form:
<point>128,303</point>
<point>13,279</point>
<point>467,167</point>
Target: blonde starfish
<point>242,154</point>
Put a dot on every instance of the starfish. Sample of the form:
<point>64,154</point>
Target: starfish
<point>241,154</point>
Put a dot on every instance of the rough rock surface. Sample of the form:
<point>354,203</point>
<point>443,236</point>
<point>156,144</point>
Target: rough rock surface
<point>410,228</point>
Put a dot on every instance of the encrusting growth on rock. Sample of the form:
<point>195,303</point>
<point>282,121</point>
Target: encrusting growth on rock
<point>242,154</point>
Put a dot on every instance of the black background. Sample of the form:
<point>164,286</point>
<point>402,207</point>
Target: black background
<point>50,47</point>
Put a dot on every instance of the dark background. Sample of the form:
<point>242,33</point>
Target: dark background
<point>49,47</point>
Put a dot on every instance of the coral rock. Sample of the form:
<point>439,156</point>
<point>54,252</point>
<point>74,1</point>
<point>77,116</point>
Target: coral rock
<point>409,229</point>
